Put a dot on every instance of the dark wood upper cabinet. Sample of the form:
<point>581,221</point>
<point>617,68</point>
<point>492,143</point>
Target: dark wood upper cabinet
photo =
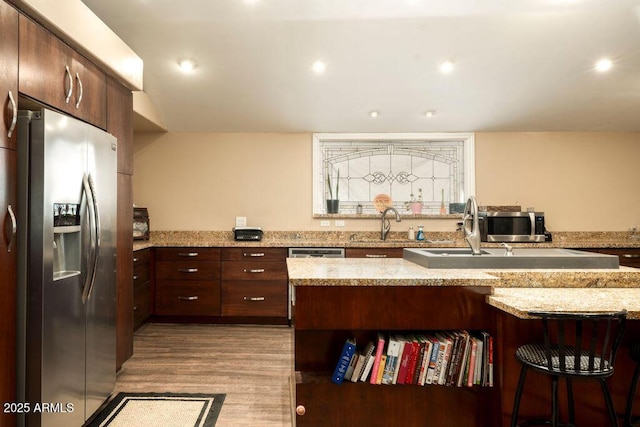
<point>8,74</point>
<point>53,73</point>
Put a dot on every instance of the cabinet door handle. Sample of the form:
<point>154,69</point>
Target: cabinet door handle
<point>188,254</point>
<point>191,298</point>
<point>14,115</point>
<point>135,308</point>
<point>254,270</point>
<point>375,255</point>
<point>70,83</point>
<point>80,90</point>
<point>135,277</point>
<point>254,254</point>
<point>135,259</point>
<point>14,228</point>
<point>253,298</point>
<point>631,255</point>
<point>188,270</point>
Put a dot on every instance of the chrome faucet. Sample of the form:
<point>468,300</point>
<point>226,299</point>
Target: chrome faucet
<point>470,225</point>
<point>386,225</point>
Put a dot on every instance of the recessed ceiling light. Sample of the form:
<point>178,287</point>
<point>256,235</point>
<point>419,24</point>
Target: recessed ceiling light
<point>429,114</point>
<point>604,65</point>
<point>319,67</point>
<point>187,65</point>
<point>446,67</point>
<point>373,114</point>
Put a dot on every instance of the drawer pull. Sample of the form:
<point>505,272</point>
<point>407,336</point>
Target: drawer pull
<point>375,255</point>
<point>253,254</point>
<point>192,298</point>
<point>254,270</point>
<point>631,255</point>
<point>135,277</point>
<point>135,259</point>
<point>253,298</point>
<point>188,254</point>
<point>188,270</point>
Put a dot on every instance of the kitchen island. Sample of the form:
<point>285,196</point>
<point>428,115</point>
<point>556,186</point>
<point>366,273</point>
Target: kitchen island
<point>337,299</point>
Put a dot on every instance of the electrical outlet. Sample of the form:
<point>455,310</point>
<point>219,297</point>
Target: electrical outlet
<point>325,223</point>
<point>241,221</point>
<point>339,223</point>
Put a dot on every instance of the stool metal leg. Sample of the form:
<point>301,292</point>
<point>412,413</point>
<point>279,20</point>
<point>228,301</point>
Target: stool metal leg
<point>572,412</point>
<point>632,393</point>
<point>554,401</point>
<point>518,396</point>
<point>607,399</point>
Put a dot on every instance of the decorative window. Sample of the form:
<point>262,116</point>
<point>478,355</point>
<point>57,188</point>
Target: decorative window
<point>435,169</point>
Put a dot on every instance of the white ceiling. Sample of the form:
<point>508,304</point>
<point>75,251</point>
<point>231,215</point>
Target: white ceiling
<point>520,65</point>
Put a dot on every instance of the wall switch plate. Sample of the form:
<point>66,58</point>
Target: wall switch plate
<point>339,223</point>
<point>241,221</point>
<point>325,223</point>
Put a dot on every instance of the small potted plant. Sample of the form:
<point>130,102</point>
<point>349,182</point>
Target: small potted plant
<point>415,204</point>
<point>332,203</point>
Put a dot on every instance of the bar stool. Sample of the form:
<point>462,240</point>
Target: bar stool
<point>576,345</point>
<point>629,420</point>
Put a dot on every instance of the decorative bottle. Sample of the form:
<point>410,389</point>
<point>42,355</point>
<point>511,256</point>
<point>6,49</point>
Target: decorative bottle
<point>412,234</point>
<point>420,234</point>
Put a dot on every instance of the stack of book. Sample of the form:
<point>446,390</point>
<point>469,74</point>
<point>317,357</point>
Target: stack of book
<point>450,358</point>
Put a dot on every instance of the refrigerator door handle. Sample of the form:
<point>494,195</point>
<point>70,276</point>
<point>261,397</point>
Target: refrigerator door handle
<point>98,232</point>
<point>89,277</point>
<point>14,228</point>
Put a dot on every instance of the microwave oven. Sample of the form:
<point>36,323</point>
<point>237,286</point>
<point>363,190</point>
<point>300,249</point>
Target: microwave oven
<point>511,226</point>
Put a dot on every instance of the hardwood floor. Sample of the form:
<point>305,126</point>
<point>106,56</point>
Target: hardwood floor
<point>251,364</point>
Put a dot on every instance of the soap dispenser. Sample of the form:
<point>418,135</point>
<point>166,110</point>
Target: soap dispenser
<point>420,234</point>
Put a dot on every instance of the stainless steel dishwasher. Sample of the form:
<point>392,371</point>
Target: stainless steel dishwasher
<point>309,253</point>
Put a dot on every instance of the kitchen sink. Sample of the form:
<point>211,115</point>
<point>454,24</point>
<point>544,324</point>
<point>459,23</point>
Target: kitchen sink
<point>523,258</point>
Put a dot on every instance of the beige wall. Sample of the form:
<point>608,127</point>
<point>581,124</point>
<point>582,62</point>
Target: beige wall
<point>202,181</point>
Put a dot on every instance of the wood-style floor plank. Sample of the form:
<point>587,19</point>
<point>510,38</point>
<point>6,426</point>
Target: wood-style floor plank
<point>251,364</point>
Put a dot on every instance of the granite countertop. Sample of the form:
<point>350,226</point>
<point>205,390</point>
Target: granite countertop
<point>368,239</point>
<point>518,301</point>
<point>378,272</point>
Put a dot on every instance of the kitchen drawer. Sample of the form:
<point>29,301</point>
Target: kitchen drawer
<point>187,270</point>
<point>141,257</point>
<point>194,254</point>
<point>373,252</point>
<point>141,303</point>
<point>242,298</point>
<point>140,273</point>
<point>254,254</point>
<point>629,257</point>
<point>188,298</point>
<point>254,270</point>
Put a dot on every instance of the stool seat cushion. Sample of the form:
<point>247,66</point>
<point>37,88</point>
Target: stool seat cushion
<point>535,356</point>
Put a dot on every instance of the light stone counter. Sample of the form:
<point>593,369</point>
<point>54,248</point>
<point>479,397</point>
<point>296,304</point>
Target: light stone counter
<point>518,301</point>
<point>379,272</point>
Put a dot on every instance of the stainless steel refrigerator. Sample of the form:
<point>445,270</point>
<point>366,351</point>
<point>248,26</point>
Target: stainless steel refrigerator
<point>67,268</point>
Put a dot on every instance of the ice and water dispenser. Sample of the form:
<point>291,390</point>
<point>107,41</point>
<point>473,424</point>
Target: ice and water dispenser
<point>66,240</point>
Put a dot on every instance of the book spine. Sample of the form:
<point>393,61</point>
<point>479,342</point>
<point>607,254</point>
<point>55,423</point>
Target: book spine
<point>383,361</point>
<point>433,361</point>
<point>343,363</point>
<point>472,362</point>
<point>367,368</point>
<point>490,380</point>
<point>376,361</point>
<point>426,357</point>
